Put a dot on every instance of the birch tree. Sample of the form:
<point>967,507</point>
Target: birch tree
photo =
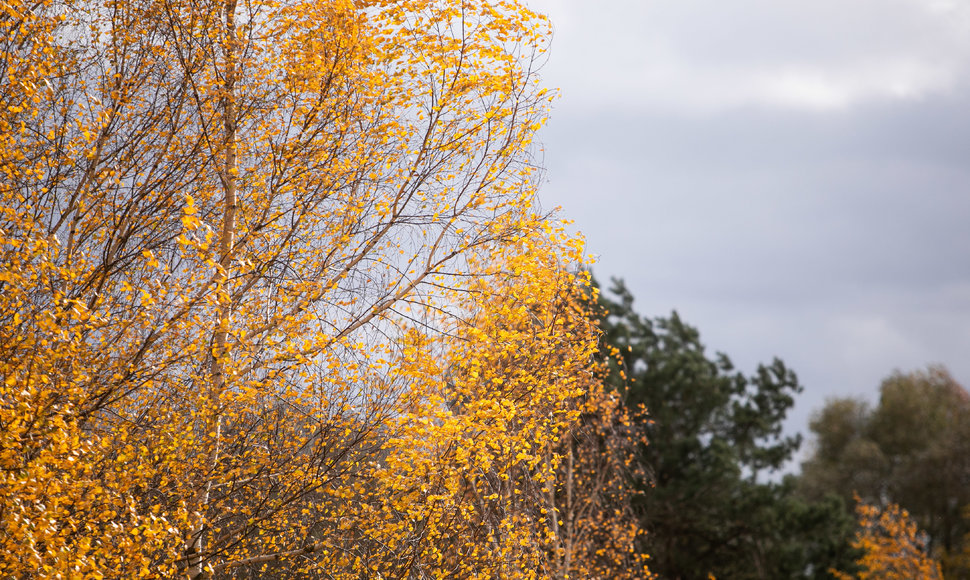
<point>253,254</point>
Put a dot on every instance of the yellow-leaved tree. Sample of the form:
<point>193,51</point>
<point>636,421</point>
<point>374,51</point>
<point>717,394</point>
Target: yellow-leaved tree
<point>275,295</point>
<point>892,546</point>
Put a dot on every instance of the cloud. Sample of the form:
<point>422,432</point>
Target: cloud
<point>790,175</point>
<point>702,56</point>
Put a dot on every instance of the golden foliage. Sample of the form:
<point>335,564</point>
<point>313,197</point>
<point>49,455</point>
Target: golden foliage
<point>893,548</point>
<point>275,297</point>
<point>562,496</point>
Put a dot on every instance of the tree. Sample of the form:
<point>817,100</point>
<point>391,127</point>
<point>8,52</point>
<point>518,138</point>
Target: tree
<point>564,495</point>
<point>893,548</point>
<point>275,293</point>
<point>712,432</point>
<point>591,494</point>
<point>911,449</point>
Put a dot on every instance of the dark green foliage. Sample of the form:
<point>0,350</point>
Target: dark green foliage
<point>912,449</point>
<point>713,431</point>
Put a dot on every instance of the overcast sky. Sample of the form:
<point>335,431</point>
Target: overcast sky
<point>791,176</point>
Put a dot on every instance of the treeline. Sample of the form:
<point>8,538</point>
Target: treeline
<point>885,492</point>
<point>277,301</point>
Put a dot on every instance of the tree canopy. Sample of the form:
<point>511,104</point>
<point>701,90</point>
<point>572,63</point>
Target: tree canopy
<point>275,295</point>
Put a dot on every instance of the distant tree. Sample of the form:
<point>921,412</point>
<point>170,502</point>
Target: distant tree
<point>893,548</point>
<point>712,432</point>
<point>913,449</point>
<point>961,561</point>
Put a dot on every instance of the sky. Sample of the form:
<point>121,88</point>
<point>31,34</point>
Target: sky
<point>791,176</point>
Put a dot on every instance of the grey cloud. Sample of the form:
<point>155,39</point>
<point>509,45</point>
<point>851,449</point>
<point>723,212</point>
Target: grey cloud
<point>839,241</point>
<point>822,216</point>
<point>700,55</point>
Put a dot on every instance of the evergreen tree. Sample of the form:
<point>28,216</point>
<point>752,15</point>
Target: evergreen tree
<point>713,432</point>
